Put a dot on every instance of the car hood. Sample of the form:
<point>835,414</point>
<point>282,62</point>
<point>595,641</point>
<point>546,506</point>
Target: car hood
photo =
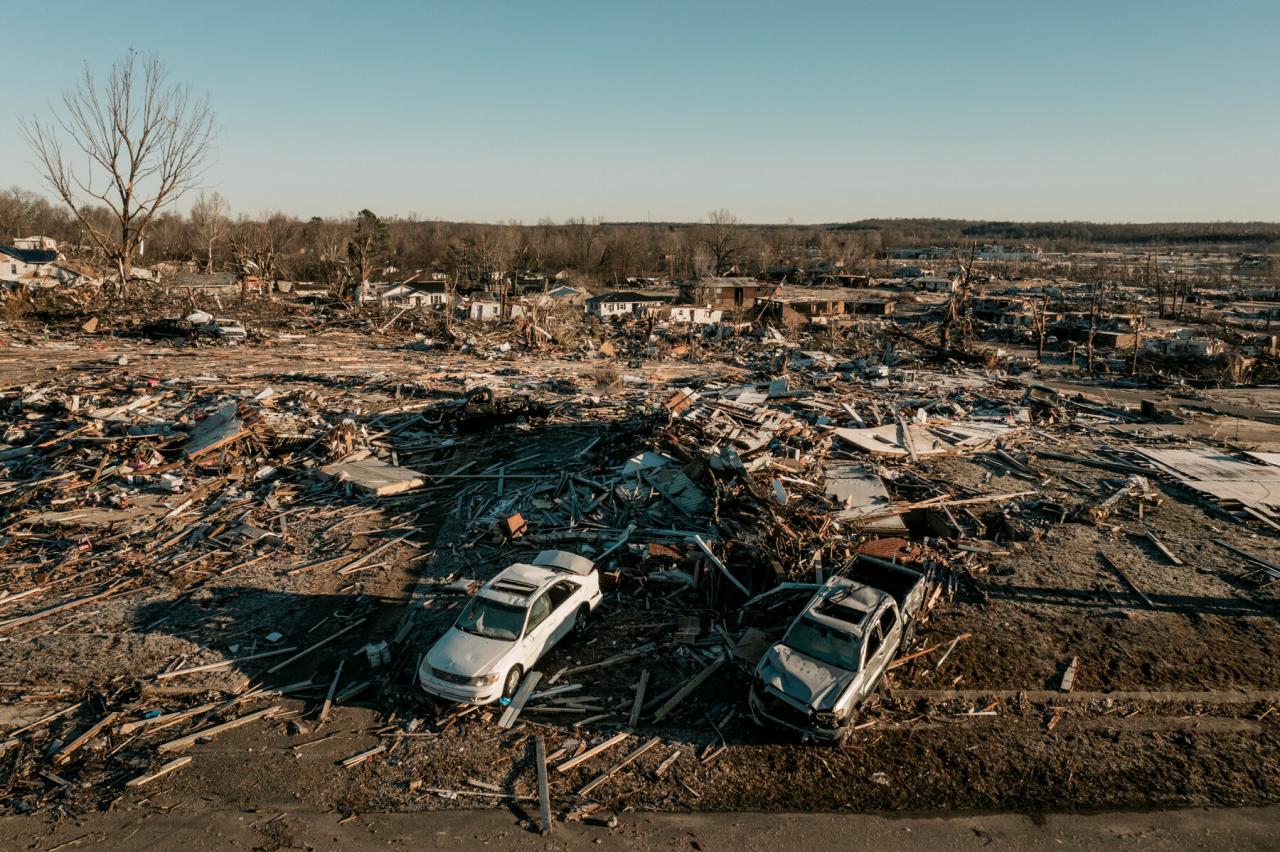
<point>466,654</point>
<point>813,683</point>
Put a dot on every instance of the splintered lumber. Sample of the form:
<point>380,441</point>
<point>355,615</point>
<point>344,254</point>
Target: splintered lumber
<point>19,620</point>
<point>592,752</point>
<point>666,764</point>
<point>363,756</point>
<point>56,714</point>
<point>333,687</point>
<point>1159,545</point>
<point>222,664</point>
<point>213,731</point>
<point>639,699</point>
<point>64,754</point>
<point>902,661</point>
<point>355,564</point>
<point>518,700</point>
<point>544,793</point>
<point>586,789</point>
<point>1125,577</point>
<point>720,566</point>
<point>616,658</point>
<point>684,691</point>
<point>1069,676</point>
<point>166,718</point>
<point>176,763</point>
<point>325,641</point>
<point>1272,569</point>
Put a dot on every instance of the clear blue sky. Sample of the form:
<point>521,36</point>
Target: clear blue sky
<point>1126,110</point>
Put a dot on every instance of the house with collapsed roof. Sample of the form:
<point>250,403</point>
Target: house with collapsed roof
<point>42,267</point>
<point>725,293</point>
<point>607,305</point>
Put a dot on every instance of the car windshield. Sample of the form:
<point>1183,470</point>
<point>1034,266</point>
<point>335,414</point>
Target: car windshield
<point>826,644</point>
<point>488,618</point>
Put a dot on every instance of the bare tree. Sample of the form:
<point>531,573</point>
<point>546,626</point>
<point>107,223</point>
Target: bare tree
<point>209,219</point>
<point>145,142</point>
<point>367,249</point>
<point>259,246</point>
<point>720,235</point>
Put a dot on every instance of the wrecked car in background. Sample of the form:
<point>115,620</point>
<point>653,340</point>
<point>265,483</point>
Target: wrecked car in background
<point>508,625</point>
<point>832,657</point>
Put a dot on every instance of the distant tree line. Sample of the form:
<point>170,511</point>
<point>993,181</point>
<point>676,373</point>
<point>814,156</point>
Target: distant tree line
<point>341,251</point>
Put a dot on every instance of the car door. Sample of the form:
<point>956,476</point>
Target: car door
<point>879,646</point>
<point>537,630</point>
<point>564,600</point>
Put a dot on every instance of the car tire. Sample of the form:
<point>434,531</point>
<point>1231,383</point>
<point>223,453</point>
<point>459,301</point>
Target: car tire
<point>582,620</point>
<point>512,682</point>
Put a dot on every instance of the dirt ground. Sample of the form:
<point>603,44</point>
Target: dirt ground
<point>1173,704</point>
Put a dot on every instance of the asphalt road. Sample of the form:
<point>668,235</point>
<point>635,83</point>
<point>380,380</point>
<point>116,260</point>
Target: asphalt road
<point>1219,830</point>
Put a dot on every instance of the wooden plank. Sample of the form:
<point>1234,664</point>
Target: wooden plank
<point>333,687</point>
<point>222,664</point>
<point>1125,577</point>
<point>1272,569</point>
<point>363,756</point>
<point>518,700</point>
<point>45,719</point>
<point>719,565</point>
<point>64,754</point>
<point>176,763</point>
<point>902,661</point>
<point>639,699</point>
<point>355,564</point>
<point>1159,545</point>
<point>298,656</point>
<point>544,793</point>
<point>592,752</point>
<point>1069,676</point>
<point>586,789</point>
<point>19,620</point>
<point>190,739</point>
<point>684,691</point>
<point>166,718</point>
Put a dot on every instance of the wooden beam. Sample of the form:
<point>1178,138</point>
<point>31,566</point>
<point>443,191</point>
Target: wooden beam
<point>592,752</point>
<point>684,691</point>
<point>177,715</point>
<point>298,656</point>
<point>544,793</point>
<point>585,789</point>
<point>222,664</point>
<point>333,687</point>
<point>1125,577</point>
<point>64,754</point>
<point>176,763</point>
<point>518,700</point>
<point>719,565</point>
<point>639,699</point>
<point>190,739</point>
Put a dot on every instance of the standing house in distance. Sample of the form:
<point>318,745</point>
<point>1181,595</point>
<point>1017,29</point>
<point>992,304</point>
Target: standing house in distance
<point>608,305</point>
<point>427,294</point>
<point>725,293</point>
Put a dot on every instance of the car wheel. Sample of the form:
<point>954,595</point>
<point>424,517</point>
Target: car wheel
<point>582,620</point>
<point>512,682</point>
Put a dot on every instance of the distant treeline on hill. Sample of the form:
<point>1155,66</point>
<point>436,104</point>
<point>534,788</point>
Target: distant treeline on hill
<point>1240,235</point>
